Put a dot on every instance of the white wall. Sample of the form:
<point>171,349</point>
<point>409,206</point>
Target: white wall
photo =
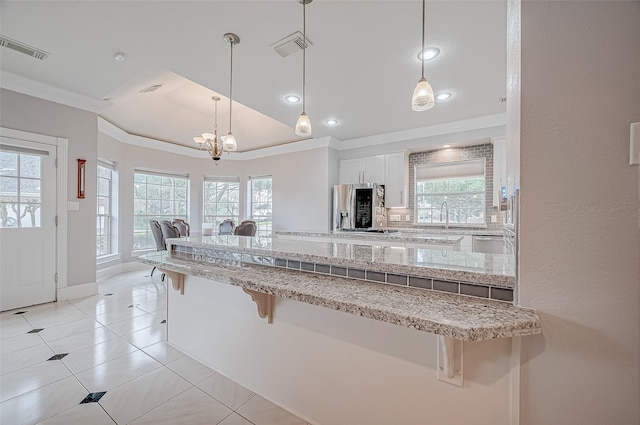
<point>579,229</point>
<point>301,194</point>
<point>26,113</point>
<point>335,368</point>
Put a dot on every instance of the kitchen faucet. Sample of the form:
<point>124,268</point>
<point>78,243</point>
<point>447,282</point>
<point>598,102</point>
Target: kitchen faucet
<point>445,204</point>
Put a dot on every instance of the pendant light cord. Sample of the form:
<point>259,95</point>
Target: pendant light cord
<point>231,85</point>
<point>304,54</point>
<point>422,53</point>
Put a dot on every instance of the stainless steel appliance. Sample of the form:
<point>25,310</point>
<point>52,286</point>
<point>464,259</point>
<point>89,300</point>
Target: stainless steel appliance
<point>359,207</point>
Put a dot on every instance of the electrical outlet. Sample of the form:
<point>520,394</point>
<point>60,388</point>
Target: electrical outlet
<point>407,217</point>
<point>394,217</point>
<point>494,218</point>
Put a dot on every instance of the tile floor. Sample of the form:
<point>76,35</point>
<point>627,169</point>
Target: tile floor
<point>103,360</point>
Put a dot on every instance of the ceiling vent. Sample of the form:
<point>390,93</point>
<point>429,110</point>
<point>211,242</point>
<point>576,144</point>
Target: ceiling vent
<point>290,44</point>
<point>151,88</point>
<point>22,48</point>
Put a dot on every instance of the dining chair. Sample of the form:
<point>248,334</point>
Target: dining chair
<point>246,228</point>
<point>182,226</point>
<point>156,230</point>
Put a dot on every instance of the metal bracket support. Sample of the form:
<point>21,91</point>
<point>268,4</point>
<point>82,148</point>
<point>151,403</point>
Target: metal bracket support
<point>177,279</point>
<point>264,302</point>
<point>450,360</point>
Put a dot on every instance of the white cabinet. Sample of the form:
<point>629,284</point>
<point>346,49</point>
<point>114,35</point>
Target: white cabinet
<point>369,169</point>
<point>390,170</point>
<point>396,173</point>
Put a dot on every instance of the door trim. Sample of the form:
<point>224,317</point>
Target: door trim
<point>62,146</point>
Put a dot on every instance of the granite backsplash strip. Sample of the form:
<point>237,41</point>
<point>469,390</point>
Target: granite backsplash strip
<point>454,286</point>
<point>441,313</point>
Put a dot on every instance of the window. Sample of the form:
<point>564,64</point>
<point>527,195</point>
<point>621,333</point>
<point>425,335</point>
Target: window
<point>156,196</point>
<point>221,199</point>
<point>20,185</point>
<point>260,204</point>
<point>461,184</point>
<point>104,216</point>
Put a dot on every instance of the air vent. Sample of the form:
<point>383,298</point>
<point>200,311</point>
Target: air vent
<point>290,44</point>
<point>22,48</point>
<point>151,88</point>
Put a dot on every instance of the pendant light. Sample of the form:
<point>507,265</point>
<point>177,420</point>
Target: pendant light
<point>303,126</point>
<point>422,99</point>
<point>210,140</point>
<point>229,141</point>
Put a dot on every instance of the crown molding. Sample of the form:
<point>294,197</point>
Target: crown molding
<point>477,123</point>
<point>44,91</point>
<point>116,133</point>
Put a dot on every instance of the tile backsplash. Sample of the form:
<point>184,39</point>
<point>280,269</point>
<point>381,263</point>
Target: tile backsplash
<point>446,155</point>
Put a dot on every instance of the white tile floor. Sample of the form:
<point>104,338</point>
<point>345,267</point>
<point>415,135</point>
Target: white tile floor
<point>114,342</point>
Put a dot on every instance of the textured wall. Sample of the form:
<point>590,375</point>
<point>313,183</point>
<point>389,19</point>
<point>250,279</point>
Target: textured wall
<point>579,234</point>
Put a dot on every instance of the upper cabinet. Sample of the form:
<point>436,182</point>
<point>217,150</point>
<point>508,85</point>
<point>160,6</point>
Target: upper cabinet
<point>390,170</point>
<point>369,169</point>
<point>396,177</point>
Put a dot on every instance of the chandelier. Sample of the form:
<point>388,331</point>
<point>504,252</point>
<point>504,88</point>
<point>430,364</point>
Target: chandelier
<point>209,141</point>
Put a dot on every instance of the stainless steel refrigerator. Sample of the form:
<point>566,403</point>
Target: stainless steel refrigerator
<point>359,207</point>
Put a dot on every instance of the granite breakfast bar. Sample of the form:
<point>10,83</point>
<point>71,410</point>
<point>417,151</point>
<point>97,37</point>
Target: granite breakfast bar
<point>382,283</point>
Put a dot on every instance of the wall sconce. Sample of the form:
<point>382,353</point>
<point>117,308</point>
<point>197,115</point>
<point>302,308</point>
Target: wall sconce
<point>81,178</point>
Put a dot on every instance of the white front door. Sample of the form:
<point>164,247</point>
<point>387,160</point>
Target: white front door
<point>27,223</point>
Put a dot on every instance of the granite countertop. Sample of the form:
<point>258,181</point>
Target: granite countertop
<point>455,316</point>
<point>489,269</point>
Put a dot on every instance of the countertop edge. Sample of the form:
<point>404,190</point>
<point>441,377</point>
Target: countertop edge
<point>524,321</point>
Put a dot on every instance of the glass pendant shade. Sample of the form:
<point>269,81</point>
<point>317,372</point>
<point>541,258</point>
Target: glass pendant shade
<point>303,126</point>
<point>229,143</point>
<point>422,99</point>
<point>199,140</point>
<point>208,136</point>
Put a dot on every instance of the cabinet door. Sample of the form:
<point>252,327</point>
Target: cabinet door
<point>395,191</point>
<point>350,171</point>
<point>373,167</point>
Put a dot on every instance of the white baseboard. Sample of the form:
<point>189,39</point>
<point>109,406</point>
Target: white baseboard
<point>77,291</point>
<point>120,268</point>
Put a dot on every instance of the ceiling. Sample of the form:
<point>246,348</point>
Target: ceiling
<point>361,68</point>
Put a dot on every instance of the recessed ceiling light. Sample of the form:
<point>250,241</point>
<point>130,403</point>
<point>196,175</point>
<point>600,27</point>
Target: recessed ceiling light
<point>292,98</point>
<point>428,53</point>
<point>446,146</point>
<point>119,56</point>
<point>443,96</point>
<point>331,122</point>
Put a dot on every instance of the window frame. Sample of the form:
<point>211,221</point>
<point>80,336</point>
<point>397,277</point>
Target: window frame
<point>150,245</point>
<point>109,165</point>
<point>262,228</point>
<point>211,218</point>
<point>461,173</point>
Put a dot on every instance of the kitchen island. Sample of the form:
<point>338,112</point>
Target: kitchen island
<point>277,314</point>
<point>394,285</point>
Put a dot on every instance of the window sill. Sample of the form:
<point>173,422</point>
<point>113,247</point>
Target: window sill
<point>107,258</point>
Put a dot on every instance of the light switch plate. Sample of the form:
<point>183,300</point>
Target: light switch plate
<point>73,206</point>
<point>407,217</point>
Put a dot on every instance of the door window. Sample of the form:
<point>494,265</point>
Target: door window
<point>20,189</point>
